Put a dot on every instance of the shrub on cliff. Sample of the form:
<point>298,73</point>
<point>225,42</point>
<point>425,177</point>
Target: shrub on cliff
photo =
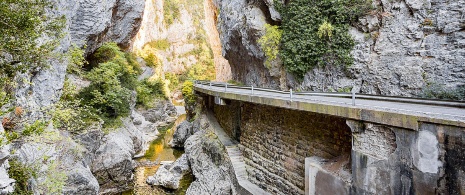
<point>148,90</point>
<point>23,24</point>
<point>270,43</point>
<point>111,82</point>
<point>315,33</point>
<point>188,92</point>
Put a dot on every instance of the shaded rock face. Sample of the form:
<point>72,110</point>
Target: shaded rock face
<point>183,131</point>
<point>210,165</point>
<point>398,52</point>
<point>170,175</point>
<point>241,24</point>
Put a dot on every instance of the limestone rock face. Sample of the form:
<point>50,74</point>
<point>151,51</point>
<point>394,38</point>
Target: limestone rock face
<point>90,23</point>
<point>210,165</point>
<point>6,183</point>
<point>183,131</point>
<point>170,175</point>
<point>241,24</point>
<point>94,22</point>
<point>113,164</point>
<point>411,44</point>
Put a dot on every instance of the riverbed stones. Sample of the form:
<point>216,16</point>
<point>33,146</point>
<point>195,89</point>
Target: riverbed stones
<point>170,175</point>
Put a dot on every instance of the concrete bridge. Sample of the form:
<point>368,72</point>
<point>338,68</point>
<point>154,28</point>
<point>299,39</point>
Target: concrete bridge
<point>339,143</point>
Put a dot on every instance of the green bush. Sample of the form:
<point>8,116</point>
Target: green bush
<point>152,61</point>
<point>173,80</point>
<point>436,91</point>
<point>170,11</point>
<point>315,33</point>
<point>162,44</point>
<point>270,43</point>
<point>21,173</point>
<point>111,82</point>
<point>148,91</point>
<point>188,92</point>
<point>37,128</point>
<point>76,60</point>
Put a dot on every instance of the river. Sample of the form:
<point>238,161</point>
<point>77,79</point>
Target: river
<point>158,151</point>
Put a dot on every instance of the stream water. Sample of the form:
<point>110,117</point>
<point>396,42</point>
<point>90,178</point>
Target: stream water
<point>158,151</point>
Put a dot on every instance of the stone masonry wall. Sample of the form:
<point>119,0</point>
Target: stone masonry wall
<point>276,141</point>
<point>229,119</point>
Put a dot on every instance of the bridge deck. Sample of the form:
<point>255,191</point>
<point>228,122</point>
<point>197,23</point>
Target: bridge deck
<point>399,114</point>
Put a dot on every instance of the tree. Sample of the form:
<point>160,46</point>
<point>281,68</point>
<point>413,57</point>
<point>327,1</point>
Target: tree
<point>28,37</point>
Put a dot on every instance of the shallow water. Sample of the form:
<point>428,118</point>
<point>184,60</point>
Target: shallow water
<point>158,151</point>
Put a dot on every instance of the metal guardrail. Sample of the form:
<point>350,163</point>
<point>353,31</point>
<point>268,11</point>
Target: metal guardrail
<point>353,96</point>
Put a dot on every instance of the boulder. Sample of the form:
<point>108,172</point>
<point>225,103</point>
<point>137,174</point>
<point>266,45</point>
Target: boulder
<point>170,175</point>
<point>113,164</point>
<point>210,165</point>
<point>183,131</point>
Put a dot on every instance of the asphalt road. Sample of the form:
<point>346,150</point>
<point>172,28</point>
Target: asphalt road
<point>443,112</point>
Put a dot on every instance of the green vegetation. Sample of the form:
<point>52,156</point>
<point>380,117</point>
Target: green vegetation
<point>162,44</point>
<point>112,80</point>
<point>36,128</point>
<point>436,91</point>
<point>152,61</point>
<point>148,90</point>
<point>315,33</point>
<point>233,82</point>
<point>188,92</point>
<point>173,80</point>
<point>171,11</point>
<point>22,24</point>
<point>270,43</point>
<point>21,173</point>
<point>55,179</point>
<point>76,60</point>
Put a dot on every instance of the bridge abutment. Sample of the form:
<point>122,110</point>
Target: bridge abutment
<point>295,152</point>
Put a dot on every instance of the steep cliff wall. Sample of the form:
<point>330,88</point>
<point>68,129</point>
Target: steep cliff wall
<point>90,23</point>
<point>64,162</point>
<point>188,28</point>
<point>400,50</point>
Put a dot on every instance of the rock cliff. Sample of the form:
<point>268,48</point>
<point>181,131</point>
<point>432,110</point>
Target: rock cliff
<point>400,50</point>
<point>91,162</point>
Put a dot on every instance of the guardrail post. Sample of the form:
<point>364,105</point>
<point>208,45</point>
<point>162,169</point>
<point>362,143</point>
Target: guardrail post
<point>226,87</point>
<point>291,95</point>
<point>252,89</point>
<point>210,85</point>
<point>353,98</point>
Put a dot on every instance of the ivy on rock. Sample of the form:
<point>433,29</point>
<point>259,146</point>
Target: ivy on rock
<point>315,33</point>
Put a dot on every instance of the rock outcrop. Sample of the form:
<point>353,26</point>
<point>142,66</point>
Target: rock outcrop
<point>401,49</point>
<point>113,164</point>
<point>210,164</point>
<point>6,183</point>
<point>182,132</point>
<point>161,114</point>
<point>170,175</point>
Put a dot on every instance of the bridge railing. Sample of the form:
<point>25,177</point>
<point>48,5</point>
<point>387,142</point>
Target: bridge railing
<point>295,95</point>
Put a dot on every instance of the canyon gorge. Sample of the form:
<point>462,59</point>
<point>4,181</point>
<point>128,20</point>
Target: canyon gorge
<point>115,111</point>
